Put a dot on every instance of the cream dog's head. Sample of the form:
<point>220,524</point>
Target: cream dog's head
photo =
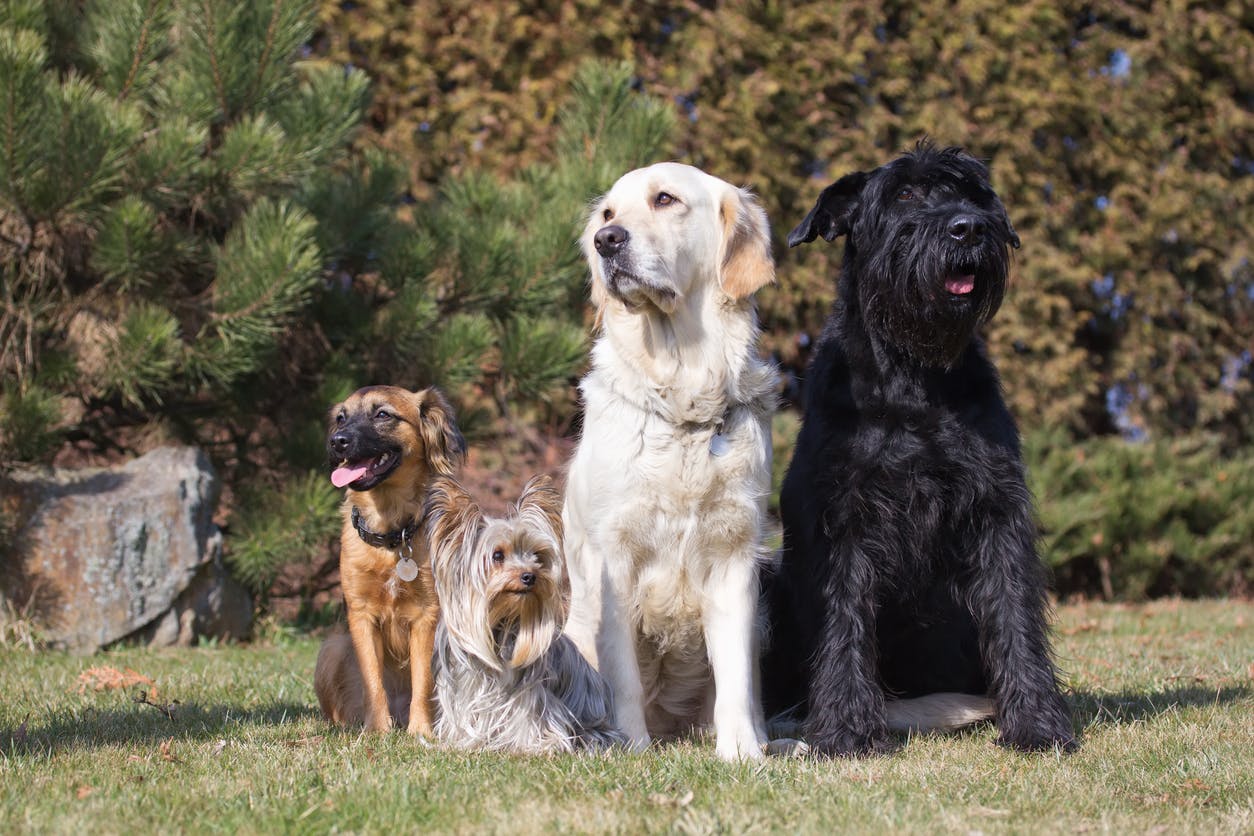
<point>662,230</point>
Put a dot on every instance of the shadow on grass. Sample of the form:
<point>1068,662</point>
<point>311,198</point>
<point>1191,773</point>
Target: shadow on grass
<point>1089,709</point>
<point>141,724</point>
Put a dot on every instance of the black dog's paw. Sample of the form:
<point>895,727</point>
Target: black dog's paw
<point>1040,734</point>
<point>847,743</point>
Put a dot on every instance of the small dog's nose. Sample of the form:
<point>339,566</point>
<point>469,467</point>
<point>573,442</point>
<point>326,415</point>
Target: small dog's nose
<point>966,228</point>
<point>339,443</point>
<point>527,578</point>
<point>609,240</point>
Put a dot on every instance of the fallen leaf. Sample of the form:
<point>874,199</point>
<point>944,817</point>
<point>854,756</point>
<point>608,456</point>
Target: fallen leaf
<point>167,751</point>
<point>1083,627</point>
<point>664,800</point>
<point>1194,784</point>
<point>84,791</point>
<point>109,679</point>
<point>219,746</point>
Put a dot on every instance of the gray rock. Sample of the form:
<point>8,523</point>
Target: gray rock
<point>97,555</point>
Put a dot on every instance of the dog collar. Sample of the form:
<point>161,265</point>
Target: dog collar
<point>392,539</point>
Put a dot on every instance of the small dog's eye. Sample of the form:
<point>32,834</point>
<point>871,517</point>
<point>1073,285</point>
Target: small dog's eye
<point>663,199</point>
<point>498,556</point>
<point>607,214</point>
<point>905,194</point>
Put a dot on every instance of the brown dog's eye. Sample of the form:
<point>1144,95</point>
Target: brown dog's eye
<point>906,194</point>
<point>607,214</point>
<point>663,199</point>
<point>383,415</point>
<point>498,556</point>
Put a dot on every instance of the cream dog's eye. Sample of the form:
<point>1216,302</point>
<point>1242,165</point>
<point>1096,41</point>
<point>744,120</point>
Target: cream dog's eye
<point>607,214</point>
<point>663,199</point>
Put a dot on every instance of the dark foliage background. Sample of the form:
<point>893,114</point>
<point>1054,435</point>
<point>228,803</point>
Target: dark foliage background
<point>216,218</point>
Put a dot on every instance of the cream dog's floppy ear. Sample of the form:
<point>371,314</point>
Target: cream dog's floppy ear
<point>746,262</point>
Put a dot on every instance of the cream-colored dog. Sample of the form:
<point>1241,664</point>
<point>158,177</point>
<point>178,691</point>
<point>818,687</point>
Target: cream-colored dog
<point>666,497</point>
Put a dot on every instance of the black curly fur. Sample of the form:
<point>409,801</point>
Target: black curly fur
<point>909,563</point>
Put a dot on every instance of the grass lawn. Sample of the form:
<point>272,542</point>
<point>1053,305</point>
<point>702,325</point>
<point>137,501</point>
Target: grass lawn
<point>1163,693</point>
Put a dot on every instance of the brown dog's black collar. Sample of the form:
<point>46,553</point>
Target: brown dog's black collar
<point>391,540</point>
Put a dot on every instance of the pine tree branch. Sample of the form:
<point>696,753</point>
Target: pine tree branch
<point>140,47</point>
<point>10,121</point>
<point>265,52</point>
<point>212,43</point>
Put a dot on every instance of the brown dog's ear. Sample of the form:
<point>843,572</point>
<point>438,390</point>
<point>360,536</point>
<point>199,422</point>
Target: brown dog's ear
<point>445,447</point>
<point>746,262</point>
<point>541,502</point>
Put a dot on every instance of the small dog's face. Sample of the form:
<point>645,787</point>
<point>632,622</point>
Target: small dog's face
<point>502,581</point>
<point>385,436</point>
<point>661,230</point>
<point>929,240</point>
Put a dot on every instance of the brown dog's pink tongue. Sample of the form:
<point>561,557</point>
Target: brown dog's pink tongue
<point>960,285</point>
<point>347,475</point>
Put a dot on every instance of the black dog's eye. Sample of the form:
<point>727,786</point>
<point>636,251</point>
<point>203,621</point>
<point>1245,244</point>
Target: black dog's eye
<point>383,415</point>
<point>663,199</point>
<point>340,419</point>
<point>607,214</point>
<point>906,194</point>
<point>498,556</point>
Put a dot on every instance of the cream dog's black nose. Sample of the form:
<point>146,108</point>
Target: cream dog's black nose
<point>609,240</point>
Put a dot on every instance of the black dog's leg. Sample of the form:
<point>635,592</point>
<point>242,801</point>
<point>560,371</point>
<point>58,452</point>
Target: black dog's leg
<point>1008,600</point>
<point>846,701</point>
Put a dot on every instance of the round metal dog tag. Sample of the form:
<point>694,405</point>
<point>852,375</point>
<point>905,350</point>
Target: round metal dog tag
<point>406,569</point>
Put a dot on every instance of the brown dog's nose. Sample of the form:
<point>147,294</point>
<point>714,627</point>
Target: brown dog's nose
<point>609,240</point>
<point>966,228</point>
<point>339,442</point>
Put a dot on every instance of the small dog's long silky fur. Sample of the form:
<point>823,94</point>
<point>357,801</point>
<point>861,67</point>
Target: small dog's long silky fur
<point>506,677</point>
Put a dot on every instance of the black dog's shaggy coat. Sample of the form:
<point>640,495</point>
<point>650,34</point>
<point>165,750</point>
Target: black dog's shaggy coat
<point>909,563</point>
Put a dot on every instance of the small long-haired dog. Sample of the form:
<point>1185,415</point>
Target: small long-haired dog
<point>506,677</point>
<point>385,444</point>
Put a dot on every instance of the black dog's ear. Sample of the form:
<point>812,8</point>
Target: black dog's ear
<point>1011,236</point>
<point>445,447</point>
<point>831,215</point>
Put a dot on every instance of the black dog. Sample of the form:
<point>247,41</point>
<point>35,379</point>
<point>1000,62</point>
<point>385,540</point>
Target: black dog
<point>909,563</point>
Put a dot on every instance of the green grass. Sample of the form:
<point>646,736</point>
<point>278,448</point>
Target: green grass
<point>1162,693</point>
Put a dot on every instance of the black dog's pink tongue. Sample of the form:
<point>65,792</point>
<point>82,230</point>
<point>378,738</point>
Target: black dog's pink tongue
<point>960,285</point>
<point>347,475</point>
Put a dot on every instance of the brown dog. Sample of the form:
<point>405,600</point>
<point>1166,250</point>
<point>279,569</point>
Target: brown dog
<point>385,444</point>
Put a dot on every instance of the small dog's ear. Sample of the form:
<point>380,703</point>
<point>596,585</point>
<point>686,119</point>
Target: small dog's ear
<point>447,511</point>
<point>445,447</point>
<point>747,264</point>
<point>832,215</point>
<point>596,281</point>
<point>540,502</point>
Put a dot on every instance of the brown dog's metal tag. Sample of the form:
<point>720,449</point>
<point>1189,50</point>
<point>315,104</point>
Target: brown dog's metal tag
<point>406,569</point>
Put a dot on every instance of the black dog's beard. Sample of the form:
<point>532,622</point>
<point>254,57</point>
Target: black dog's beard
<point>905,301</point>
